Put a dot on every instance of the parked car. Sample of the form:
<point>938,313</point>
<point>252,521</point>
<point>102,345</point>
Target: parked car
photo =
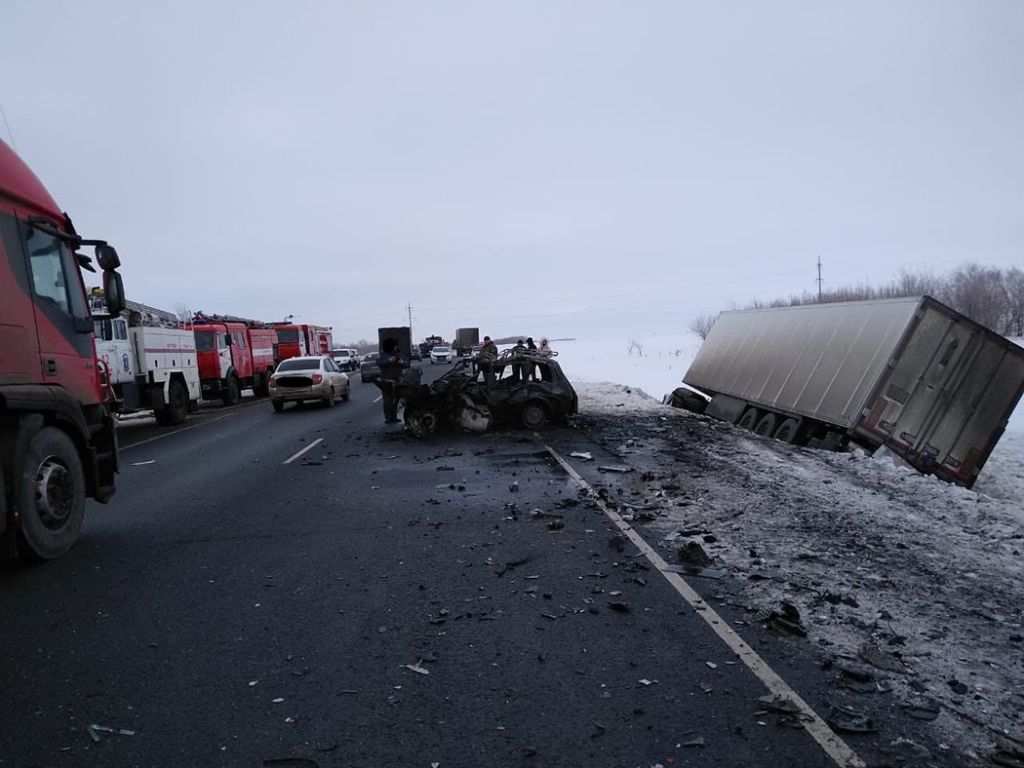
<point>440,355</point>
<point>345,359</point>
<point>476,350</point>
<point>299,379</point>
<point>368,368</point>
<point>526,388</point>
<point>416,354</point>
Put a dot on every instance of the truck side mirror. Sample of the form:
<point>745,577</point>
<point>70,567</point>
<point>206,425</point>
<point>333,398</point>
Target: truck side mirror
<point>113,291</point>
<point>107,257</point>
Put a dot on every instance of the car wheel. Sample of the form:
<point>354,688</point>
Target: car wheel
<point>421,423</point>
<point>534,415</point>
<point>49,494</point>
<point>278,405</point>
<point>329,400</point>
<point>345,394</point>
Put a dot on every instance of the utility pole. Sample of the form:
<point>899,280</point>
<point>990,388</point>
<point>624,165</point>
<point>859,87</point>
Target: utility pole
<point>819,279</point>
<point>409,307</point>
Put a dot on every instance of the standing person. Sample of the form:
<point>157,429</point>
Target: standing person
<point>488,354</point>
<point>391,363</point>
<point>531,349</point>
<point>545,349</point>
<point>519,366</point>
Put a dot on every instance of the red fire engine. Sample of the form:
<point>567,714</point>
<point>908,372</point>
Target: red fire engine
<point>234,354</point>
<point>57,439</point>
<point>298,340</point>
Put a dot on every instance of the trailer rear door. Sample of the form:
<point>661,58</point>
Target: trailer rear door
<point>946,399</point>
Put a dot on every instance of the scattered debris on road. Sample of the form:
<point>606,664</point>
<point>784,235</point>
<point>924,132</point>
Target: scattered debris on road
<point>850,720</point>
<point>94,730</point>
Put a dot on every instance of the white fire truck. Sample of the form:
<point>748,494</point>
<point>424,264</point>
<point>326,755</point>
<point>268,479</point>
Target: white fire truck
<point>148,361</point>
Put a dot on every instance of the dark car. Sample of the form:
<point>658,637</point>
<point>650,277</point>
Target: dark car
<point>368,369</point>
<point>525,388</point>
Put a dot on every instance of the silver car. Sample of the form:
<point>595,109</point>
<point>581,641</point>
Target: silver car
<point>298,379</point>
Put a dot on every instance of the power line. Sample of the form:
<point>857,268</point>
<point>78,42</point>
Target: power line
<point>10,133</point>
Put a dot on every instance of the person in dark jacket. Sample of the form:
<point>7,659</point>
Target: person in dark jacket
<point>519,366</point>
<point>531,349</point>
<point>392,363</point>
<point>485,360</point>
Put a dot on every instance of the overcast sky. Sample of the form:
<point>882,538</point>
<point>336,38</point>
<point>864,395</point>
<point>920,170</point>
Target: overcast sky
<point>565,168</point>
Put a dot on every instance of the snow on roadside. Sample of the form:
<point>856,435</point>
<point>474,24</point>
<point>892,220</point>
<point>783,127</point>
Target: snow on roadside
<point>930,573</point>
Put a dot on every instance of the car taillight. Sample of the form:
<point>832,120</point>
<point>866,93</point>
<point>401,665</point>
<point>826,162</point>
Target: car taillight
<point>317,378</point>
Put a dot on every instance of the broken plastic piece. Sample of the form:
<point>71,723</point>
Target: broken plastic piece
<point>922,708</point>
<point>850,720</point>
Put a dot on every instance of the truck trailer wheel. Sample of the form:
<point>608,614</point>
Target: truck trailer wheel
<point>788,431</point>
<point>766,426</point>
<point>177,405</point>
<point>232,393</point>
<point>49,495</point>
<point>749,419</point>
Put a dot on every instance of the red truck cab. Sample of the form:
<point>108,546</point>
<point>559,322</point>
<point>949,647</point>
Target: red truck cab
<point>58,443</point>
<point>233,355</point>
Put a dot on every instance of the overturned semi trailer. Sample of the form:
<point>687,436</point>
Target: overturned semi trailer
<point>911,374</point>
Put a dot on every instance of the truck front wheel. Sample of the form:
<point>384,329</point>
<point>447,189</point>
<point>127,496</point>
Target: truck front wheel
<point>176,410</point>
<point>49,495</point>
<point>232,392</point>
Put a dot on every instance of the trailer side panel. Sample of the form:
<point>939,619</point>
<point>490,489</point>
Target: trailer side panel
<point>822,361</point>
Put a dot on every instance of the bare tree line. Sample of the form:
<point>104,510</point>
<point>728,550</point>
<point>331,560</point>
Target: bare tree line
<point>990,296</point>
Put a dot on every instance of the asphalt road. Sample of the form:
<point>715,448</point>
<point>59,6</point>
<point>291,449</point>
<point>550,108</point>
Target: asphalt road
<point>377,601</point>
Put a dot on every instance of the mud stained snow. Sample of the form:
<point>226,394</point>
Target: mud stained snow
<point>909,588</point>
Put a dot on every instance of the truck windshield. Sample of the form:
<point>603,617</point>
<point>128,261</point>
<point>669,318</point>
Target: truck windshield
<point>289,335</point>
<point>204,341</point>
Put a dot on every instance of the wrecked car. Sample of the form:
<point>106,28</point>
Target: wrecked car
<point>522,388</point>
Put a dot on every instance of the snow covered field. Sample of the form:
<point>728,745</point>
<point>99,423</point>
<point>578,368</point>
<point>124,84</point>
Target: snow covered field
<point>881,561</point>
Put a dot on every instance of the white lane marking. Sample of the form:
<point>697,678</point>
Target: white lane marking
<point>309,447</point>
<point>379,398</point>
<point>123,448</point>
<point>834,746</point>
